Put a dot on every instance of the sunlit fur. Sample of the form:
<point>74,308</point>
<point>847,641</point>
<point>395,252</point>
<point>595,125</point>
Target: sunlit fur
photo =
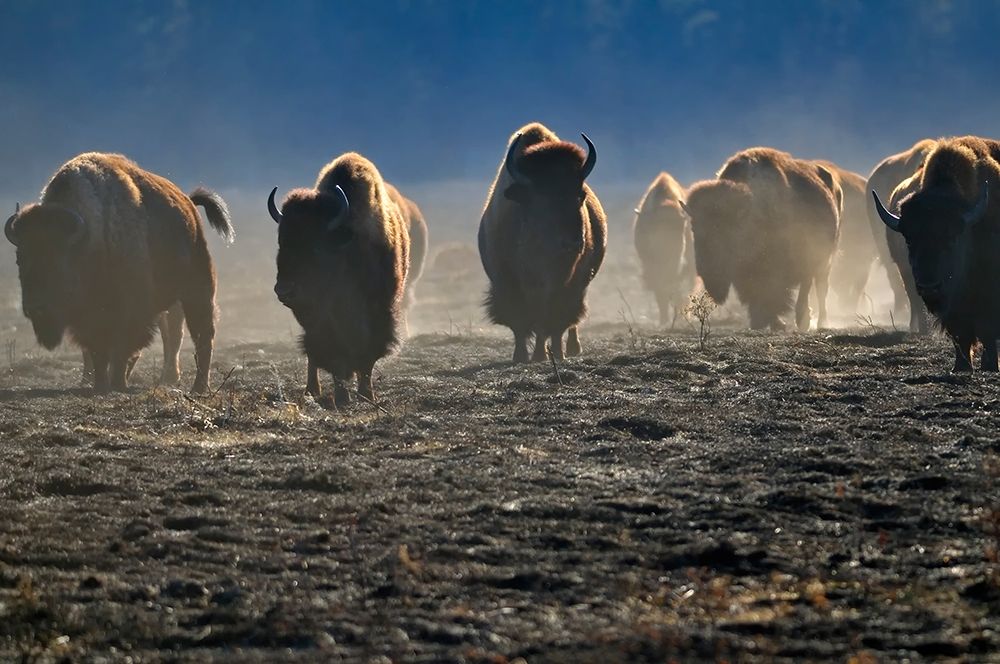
<point>954,265</point>
<point>346,274</point>
<point>662,241</point>
<point>541,251</point>
<point>766,226</point>
<point>855,249</point>
<point>416,226</point>
<point>884,179</point>
<point>142,249</point>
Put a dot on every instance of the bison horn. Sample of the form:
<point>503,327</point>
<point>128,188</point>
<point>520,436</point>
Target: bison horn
<point>976,214</point>
<point>272,208</point>
<point>508,162</point>
<point>888,218</point>
<point>8,228</point>
<point>588,165</point>
<point>684,207</point>
<point>343,208</point>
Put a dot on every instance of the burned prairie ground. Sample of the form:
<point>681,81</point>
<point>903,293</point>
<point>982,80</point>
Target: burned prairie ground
<point>797,496</point>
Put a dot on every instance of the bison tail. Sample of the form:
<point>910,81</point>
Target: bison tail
<point>216,210</point>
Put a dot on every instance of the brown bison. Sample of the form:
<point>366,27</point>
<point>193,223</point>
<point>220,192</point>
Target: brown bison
<point>666,254</point>
<point>343,252</point>
<point>542,239</point>
<point>856,251</point>
<point>950,224</point>
<point>766,225</point>
<point>416,227</point>
<point>886,176</point>
<point>109,247</point>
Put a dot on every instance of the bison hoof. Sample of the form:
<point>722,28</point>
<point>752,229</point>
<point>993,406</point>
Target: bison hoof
<point>341,397</point>
<point>200,387</point>
<point>169,379</point>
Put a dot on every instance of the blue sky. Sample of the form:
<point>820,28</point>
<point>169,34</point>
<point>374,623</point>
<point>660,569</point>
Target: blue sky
<point>245,93</point>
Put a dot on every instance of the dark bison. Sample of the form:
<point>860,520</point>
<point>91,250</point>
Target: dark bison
<point>767,225</point>
<point>542,239</point>
<point>950,224</point>
<point>343,252</point>
<point>886,176</point>
<point>666,253</point>
<point>416,226</point>
<point>109,247</point>
<point>856,250</point>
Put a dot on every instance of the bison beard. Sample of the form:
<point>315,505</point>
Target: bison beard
<point>343,253</point>
<point>542,239</point>
<point>109,247</point>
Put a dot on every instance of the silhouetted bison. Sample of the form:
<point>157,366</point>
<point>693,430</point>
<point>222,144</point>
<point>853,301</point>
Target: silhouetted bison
<point>666,252</point>
<point>416,226</point>
<point>542,239</point>
<point>951,227</point>
<point>109,247</point>
<point>343,252</point>
<point>856,250</point>
<point>885,177</point>
<point>766,225</point>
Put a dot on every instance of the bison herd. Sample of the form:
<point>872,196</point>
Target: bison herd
<point>111,251</point>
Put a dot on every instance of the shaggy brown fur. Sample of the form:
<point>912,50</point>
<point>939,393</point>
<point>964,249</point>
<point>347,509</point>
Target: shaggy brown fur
<point>343,273</point>
<point>541,244</point>
<point>856,250</point>
<point>949,219</point>
<point>662,241</point>
<point>109,247</point>
<point>767,225</point>
<point>885,177</point>
<point>416,226</point>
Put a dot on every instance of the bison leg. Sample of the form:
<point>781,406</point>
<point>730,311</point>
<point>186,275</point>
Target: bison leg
<point>200,315</point>
<point>312,380</point>
<point>100,360</point>
<point>130,365</point>
<point>365,383</point>
<point>573,347</point>
<point>663,302</point>
<point>539,355</point>
<point>988,362</point>
<point>963,354</point>
<point>802,313</point>
<point>88,369</point>
<point>172,334</point>
<point>822,290</point>
<point>118,374</point>
<point>556,346</point>
<point>341,395</point>
<point>520,347</point>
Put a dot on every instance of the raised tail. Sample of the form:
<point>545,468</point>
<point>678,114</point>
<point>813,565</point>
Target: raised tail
<point>216,210</point>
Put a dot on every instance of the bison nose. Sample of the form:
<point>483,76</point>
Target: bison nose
<point>284,291</point>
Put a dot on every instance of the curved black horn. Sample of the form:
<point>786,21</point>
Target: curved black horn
<point>8,228</point>
<point>343,208</point>
<point>976,214</point>
<point>272,208</point>
<point>888,218</point>
<point>508,161</point>
<point>588,165</point>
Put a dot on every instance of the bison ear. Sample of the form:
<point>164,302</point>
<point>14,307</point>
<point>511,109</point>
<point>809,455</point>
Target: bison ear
<point>516,192</point>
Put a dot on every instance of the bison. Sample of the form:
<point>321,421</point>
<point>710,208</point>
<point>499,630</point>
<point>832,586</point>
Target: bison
<point>107,249</point>
<point>542,238</point>
<point>666,254</point>
<point>950,226</point>
<point>343,253</point>
<point>416,227</point>
<point>766,225</point>
<point>884,179</point>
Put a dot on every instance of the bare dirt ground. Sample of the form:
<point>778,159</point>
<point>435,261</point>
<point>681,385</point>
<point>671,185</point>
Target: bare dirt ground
<point>830,495</point>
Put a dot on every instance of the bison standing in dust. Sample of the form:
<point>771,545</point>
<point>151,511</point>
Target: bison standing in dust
<point>109,247</point>
<point>766,225</point>
<point>416,227</point>
<point>343,252</point>
<point>542,239</point>
<point>950,226</point>
<point>885,177</point>
<point>666,253</point>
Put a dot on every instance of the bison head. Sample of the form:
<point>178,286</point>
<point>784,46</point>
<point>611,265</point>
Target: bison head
<point>547,184</point>
<point>938,227</point>
<point>718,210</point>
<point>48,238</point>
<point>313,230</point>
